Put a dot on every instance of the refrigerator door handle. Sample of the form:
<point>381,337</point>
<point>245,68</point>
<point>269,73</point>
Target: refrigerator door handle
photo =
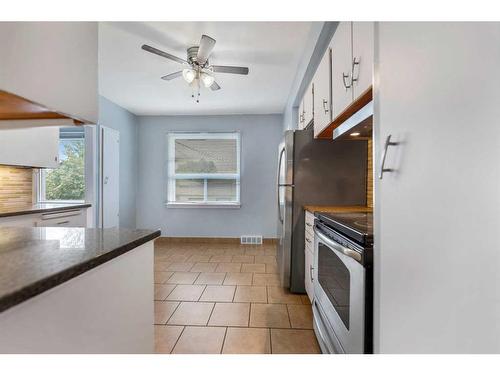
<point>279,185</point>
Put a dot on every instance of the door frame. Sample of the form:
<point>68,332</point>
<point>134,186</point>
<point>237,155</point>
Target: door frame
<point>100,180</point>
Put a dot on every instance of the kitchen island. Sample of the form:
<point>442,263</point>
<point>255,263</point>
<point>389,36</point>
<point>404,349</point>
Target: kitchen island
<point>76,290</point>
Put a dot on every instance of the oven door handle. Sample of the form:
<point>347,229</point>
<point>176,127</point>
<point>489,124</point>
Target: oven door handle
<point>338,247</point>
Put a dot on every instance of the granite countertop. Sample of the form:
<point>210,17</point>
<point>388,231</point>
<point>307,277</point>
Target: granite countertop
<point>33,260</point>
<point>338,209</point>
<point>41,208</point>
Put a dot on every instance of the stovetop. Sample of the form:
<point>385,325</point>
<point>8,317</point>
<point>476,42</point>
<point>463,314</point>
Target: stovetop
<point>357,226</point>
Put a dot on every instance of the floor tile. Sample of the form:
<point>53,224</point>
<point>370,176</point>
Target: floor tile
<point>247,341</point>
<point>178,258</point>
<point>228,267</point>
<point>253,267</point>
<point>210,278</point>
<point>253,251</point>
<point>294,341</point>
<point>230,314</point>
<point>238,279</point>
<point>204,267</point>
<point>181,267</point>
<point>186,293</point>
<point>200,340</point>
<point>266,279</point>
<point>234,252</point>
<point>160,277</point>
<point>246,293</point>
<point>267,259</point>
<point>218,293</point>
<point>277,294</point>
<point>269,315</point>
<point>199,258</point>
<point>164,310</point>
<point>192,313</point>
<point>271,268</point>
<point>162,291</point>
<point>166,337</point>
<point>300,316</point>
<point>243,259</point>
<point>161,266</point>
<point>221,259</point>
<point>183,278</point>
<point>305,299</point>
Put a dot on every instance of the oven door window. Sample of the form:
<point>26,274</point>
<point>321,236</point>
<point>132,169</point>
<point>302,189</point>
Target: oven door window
<point>335,280</point>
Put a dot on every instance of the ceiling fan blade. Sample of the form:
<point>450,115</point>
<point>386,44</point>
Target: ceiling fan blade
<point>171,76</point>
<point>206,46</point>
<point>156,51</point>
<point>230,69</point>
<point>215,86</point>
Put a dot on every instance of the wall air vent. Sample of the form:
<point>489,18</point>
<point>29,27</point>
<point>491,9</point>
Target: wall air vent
<point>251,240</point>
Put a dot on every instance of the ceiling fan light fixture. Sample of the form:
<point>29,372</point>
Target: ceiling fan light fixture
<point>189,75</point>
<point>207,79</point>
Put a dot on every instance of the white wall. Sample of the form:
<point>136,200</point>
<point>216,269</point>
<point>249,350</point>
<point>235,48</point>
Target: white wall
<point>113,116</point>
<point>53,64</point>
<point>260,137</point>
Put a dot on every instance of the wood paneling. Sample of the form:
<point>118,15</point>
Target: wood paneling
<point>16,187</point>
<point>365,98</point>
<point>13,107</point>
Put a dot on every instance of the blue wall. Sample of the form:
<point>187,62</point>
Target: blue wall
<point>260,137</point>
<point>116,117</point>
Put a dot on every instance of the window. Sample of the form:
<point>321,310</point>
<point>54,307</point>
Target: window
<point>67,182</point>
<point>204,169</point>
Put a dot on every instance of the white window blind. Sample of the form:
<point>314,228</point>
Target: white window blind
<point>203,169</point>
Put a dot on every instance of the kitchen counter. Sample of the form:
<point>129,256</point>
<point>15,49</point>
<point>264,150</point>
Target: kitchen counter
<point>42,208</point>
<point>338,209</point>
<point>34,260</point>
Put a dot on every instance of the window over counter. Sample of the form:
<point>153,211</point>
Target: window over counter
<point>203,169</point>
<point>67,182</point>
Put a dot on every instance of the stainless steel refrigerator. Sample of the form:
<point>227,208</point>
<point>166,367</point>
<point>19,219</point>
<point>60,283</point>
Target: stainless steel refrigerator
<point>313,172</point>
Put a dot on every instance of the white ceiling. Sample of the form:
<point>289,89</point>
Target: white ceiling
<point>130,77</point>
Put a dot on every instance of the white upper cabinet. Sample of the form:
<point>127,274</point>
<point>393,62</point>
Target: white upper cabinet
<point>341,67</point>
<point>322,94</point>
<point>308,105</point>
<point>30,146</point>
<point>53,64</point>
<point>362,51</point>
<point>300,117</point>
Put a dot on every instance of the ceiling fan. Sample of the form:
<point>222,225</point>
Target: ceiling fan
<point>198,70</point>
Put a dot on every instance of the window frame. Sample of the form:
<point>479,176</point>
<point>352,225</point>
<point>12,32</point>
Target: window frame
<point>172,177</point>
<point>40,185</point>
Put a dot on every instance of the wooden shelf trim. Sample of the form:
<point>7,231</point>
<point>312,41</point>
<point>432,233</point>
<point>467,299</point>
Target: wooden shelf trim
<point>362,100</point>
<point>14,107</point>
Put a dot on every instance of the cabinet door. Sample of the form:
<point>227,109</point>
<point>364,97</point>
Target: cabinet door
<point>71,218</point>
<point>309,273</point>
<point>308,105</point>
<point>322,94</point>
<point>300,117</point>
<point>362,52</point>
<point>341,68</point>
<point>30,147</point>
<point>437,215</point>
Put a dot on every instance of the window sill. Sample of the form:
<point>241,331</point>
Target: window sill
<point>203,205</point>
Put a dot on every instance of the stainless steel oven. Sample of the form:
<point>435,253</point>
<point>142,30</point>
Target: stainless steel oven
<point>342,291</point>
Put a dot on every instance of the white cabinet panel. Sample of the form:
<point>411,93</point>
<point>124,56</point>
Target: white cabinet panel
<point>309,273</point>
<point>19,221</point>
<point>70,218</point>
<point>300,117</point>
<point>308,105</point>
<point>362,51</point>
<point>437,215</point>
<point>322,94</point>
<point>53,64</point>
<point>33,147</point>
<point>341,68</point>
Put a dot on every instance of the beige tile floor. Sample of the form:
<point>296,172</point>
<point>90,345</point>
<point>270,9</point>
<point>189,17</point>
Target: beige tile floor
<point>226,298</point>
